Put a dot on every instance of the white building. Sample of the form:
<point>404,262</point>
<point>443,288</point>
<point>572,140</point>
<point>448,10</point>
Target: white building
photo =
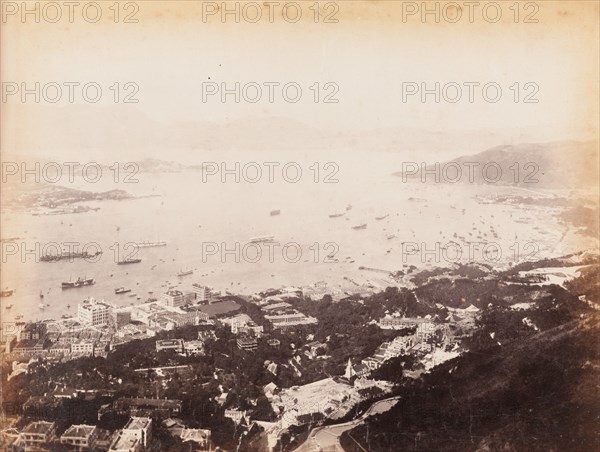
<point>203,293</point>
<point>82,347</point>
<point>173,298</point>
<point>135,436</point>
<point>93,313</point>
<point>293,318</point>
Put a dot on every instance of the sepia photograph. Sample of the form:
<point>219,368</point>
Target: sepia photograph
<point>300,226</point>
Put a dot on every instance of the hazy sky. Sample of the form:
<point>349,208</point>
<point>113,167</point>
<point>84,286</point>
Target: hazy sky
<point>368,55</point>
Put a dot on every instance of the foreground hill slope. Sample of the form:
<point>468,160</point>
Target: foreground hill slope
<point>539,393</point>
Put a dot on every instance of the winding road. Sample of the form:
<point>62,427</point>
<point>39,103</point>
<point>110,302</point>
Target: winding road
<point>327,439</point>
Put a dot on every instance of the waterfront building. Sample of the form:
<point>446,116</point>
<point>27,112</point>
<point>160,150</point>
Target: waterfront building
<point>93,313</point>
<point>173,298</point>
<point>203,293</point>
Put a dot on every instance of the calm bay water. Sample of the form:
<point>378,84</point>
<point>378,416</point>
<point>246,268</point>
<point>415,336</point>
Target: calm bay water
<point>191,215</point>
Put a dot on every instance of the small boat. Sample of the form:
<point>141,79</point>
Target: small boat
<point>7,292</point>
<point>382,217</point>
<point>360,226</point>
<point>121,290</point>
<point>185,273</point>
<point>348,207</point>
<point>68,306</point>
<point>41,294</point>
<point>8,306</point>
<point>42,306</point>
<point>337,215</point>
<point>19,317</point>
<point>391,236</point>
<point>275,212</point>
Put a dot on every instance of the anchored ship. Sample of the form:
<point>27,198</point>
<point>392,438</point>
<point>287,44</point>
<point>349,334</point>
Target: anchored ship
<point>360,226</point>
<point>69,256</point>
<point>150,244</point>
<point>121,290</point>
<point>262,239</point>
<point>129,261</point>
<point>79,283</point>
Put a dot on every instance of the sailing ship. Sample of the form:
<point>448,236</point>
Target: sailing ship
<point>185,273</point>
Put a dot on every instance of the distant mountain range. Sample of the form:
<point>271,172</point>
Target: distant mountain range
<point>563,164</point>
